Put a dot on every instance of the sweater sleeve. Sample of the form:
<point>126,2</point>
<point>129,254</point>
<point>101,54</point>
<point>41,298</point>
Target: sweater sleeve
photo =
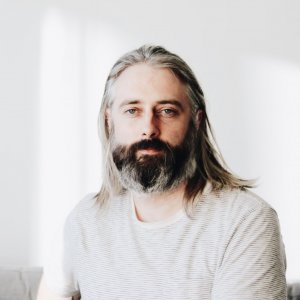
<point>253,263</point>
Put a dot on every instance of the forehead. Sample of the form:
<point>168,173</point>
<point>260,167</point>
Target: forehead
<point>148,84</point>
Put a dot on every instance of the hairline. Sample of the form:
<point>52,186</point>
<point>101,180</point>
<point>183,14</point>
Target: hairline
<point>155,64</point>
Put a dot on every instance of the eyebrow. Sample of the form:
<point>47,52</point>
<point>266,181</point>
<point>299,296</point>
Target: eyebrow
<point>175,102</point>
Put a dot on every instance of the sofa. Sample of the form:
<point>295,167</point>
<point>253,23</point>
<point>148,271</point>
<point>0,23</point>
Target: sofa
<point>19,283</point>
<point>22,284</point>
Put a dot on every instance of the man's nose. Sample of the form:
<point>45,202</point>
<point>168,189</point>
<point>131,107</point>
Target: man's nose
<point>150,127</point>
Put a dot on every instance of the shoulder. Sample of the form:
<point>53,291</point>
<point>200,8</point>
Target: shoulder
<point>252,255</point>
<point>241,217</point>
<point>88,211</point>
<point>87,203</point>
<point>248,203</point>
<point>82,214</point>
<point>238,199</point>
<point>235,206</point>
<point>241,197</point>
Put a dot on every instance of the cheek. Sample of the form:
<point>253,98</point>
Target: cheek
<point>123,134</point>
<point>176,137</point>
<point>176,133</point>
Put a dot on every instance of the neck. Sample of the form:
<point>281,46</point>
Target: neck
<point>154,207</point>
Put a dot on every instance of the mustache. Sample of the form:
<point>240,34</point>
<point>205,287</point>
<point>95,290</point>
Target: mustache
<point>155,143</point>
<point>122,152</point>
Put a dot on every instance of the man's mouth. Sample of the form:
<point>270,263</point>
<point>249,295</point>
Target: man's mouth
<point>148,151</point>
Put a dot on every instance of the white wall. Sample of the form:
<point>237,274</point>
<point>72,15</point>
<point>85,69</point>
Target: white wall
<point>55,57</point>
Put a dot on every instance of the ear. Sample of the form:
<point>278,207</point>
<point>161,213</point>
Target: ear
<point>199,116</point>
<point>108,119</point>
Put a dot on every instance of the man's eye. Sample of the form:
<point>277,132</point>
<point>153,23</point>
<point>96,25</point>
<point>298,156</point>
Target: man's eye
<point>168,112</point>
<point>131,111</point>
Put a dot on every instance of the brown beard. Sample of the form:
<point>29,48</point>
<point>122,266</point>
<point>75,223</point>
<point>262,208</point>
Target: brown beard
<point>156,172</point>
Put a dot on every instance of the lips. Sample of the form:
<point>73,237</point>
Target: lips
<point>149,151</point>
<point>150,147</point>
<point>154,144</point>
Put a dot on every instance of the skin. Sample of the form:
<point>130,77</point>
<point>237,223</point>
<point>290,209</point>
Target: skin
<point>151,102</point>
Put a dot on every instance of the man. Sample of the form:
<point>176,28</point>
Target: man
<point>170,221</point>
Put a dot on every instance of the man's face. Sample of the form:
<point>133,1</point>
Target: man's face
<point>150,118</point>
<point>149,103</point>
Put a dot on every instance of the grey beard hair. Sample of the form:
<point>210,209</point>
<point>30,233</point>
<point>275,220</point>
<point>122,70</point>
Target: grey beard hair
<point>166,175</point>
<point>130,181</point>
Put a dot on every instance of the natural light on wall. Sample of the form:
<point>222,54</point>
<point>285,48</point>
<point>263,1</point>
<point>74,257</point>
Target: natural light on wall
<point>60,131</point>
<point>73,69</point>
<point>270,120</point>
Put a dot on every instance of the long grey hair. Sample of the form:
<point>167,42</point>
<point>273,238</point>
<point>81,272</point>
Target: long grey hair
<point>210,164</point>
